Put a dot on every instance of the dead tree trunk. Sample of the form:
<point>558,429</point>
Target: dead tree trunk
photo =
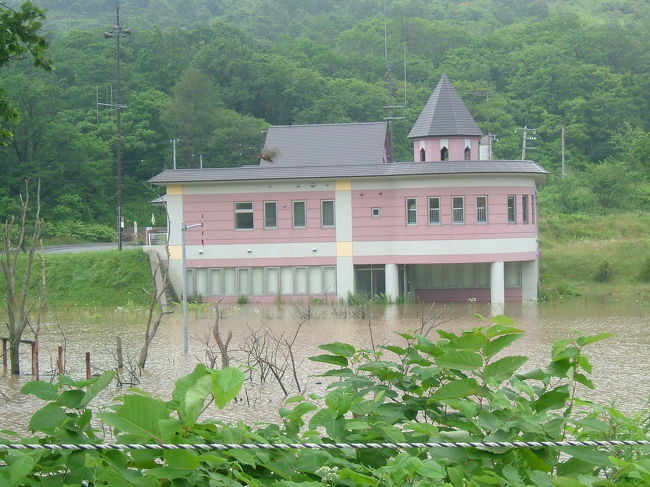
<point>153,325</point>
<point>16,237</point>
<point>221,343</point>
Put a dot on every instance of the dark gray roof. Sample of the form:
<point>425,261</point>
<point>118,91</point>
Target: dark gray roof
<point>259,173</point>
<point>445,114</point>
<point>326,144</point>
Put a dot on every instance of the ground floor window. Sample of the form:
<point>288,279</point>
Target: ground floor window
<point>259,281</point>
<point>370,280</point>
<point>461,276</point>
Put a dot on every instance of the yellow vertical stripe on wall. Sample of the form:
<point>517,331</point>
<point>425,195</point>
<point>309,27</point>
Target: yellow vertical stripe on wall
<point>174,189</point>
<point>344,249</point>
<point>175,252</point>
<point>343,185</point>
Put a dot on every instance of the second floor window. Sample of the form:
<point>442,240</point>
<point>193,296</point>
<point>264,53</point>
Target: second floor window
<point>270,214</point>
<point>411,211</point>
<point>244,215</point>
<point>458,209</point>
<point>481,209</point>
<point>299,214</point>
<point>327,213</point>
<point>524,208</point>
<point>434,210</point>
<point>512,209</point>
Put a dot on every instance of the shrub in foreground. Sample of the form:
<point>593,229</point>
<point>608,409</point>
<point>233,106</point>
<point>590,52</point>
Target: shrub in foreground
<point>456,388</point>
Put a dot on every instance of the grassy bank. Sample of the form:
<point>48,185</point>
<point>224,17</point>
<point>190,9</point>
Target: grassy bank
<point>591,255</point>
<point>108,278</point>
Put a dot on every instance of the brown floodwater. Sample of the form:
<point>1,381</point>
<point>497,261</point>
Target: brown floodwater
<point>621,363</point>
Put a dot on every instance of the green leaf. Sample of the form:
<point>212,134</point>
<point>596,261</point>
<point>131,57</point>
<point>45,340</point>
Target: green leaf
<point>503,368</point>
<point>356,477</point>
<point>502,320</point>
<point>226,384</point>
<point>338,348</point>
<point>138,415</point>
<point>432,470</point>
<point>553,399</point>
<point>495,346</point>
<point>71,399</point>
<point>395,349</point>
<point>194,399</point>
<point>587,454</point>
<point>588,340</point>
<point>460,360</point>
<point>456,389</point>
<point>469,341</point>
<point>40,389</point>
<point>48,419</point>
<point>185,459</point>
<point>20,467</point>
<point>330,359</point>
<point>99,384</point>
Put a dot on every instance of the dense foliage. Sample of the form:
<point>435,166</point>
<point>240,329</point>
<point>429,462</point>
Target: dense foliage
<point>456,388</point>
<point>215,74</point>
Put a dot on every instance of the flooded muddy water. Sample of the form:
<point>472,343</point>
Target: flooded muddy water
<point>621,363</point>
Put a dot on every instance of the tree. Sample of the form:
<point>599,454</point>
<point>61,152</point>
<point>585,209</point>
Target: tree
<point>20,39</point>
<point>18,236</point>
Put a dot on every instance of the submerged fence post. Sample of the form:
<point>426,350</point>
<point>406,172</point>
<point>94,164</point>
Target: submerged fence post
<point>87,365</point>
<point>60,366</point>
<point>120,356</point>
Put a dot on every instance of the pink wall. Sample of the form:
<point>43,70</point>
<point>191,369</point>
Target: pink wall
<point>217,212</point>
<point>456,146</point>
<point>391,224</point>
<point>444,259</point>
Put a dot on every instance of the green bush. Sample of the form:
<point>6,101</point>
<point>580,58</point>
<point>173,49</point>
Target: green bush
<point>604,272</point>
<point>77,231</point>
<point>453,389</point>
<point>644,275</point>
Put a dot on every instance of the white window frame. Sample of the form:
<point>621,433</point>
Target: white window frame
<point>484,219</point>
<point>293,213</point>
<point>412,211</point>
<point>375,212</point>
<point>275,214</point>
<point>455,209</point>
<point>244,211</point>
<point>433,211</point>
<point>322,214</point>
<point>511,207</point>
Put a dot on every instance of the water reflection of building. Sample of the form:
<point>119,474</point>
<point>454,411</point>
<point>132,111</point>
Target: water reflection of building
<point>325,214</point>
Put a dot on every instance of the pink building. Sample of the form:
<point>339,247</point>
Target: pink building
<point>324,214</point>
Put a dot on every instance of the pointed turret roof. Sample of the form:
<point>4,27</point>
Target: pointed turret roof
<point>445,114</point>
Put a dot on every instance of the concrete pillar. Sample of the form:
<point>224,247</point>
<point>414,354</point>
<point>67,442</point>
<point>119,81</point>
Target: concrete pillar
<point>497,288</point>
<point>392,281</point>
<point>529,280</point>
<point>344,276</point>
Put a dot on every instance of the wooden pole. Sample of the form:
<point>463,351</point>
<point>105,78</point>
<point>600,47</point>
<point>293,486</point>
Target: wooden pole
<point>88,365</point>
<point>60,366</point>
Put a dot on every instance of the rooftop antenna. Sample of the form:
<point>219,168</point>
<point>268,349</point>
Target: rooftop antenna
<point>117,33</point>
<point>389,79</point>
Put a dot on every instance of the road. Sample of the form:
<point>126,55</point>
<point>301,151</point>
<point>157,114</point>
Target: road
<point>88,247</point>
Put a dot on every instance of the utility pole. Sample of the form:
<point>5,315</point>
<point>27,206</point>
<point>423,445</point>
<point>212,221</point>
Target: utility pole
<point>173,141</point>
<point>117,32</point>
<point>526,139</point>
<point>389,79</point>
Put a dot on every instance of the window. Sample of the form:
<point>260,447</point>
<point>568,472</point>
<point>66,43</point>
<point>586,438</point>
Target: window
<point>468,153</point>
<point>299,214</point>
<point>327,213</point>
<point>524,208</point>
<point>532,207</point>
<point>444,154</point>
<point>458,209</point>
<point>481,209</point>
<point>244,215</point>
<point>270,214</point>
<point>512,212</point>
<point>376,212</point>
<point>423,155</point>
<point>434,210</point>
<point>411,211</point>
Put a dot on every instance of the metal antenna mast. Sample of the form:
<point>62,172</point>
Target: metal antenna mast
<point>389,78</point>
<point>117,32</point>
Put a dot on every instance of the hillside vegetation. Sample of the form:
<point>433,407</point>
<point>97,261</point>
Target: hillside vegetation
<point>215,74</point>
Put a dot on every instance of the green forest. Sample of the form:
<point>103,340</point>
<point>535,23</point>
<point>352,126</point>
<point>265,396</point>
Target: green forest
<point>214,74</point>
